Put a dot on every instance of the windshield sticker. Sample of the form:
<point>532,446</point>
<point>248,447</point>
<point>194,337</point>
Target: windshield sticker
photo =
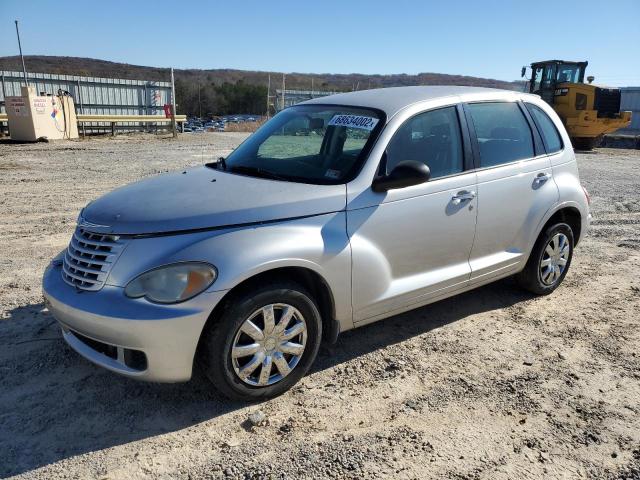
<point>332,173</point>
<point>354,121</point>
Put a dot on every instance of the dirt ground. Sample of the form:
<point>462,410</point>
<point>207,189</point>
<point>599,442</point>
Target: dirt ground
<point>492,384</point>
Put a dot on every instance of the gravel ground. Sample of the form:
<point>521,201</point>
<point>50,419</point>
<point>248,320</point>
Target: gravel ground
<point>491,384</point>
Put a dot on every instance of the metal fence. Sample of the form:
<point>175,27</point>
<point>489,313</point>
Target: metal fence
<point>94,95</point>
<point>631,101</point>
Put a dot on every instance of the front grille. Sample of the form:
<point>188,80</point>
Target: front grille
<point>607,102</point>
<point>89,259</point>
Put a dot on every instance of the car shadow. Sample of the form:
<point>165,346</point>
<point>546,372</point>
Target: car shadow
<point>55,405</point>
<point>396,329</point>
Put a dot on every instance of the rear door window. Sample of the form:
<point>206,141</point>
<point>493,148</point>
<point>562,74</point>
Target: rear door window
<point>502,131</point>
<point>548,130</point>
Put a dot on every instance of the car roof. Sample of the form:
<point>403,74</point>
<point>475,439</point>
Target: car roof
<point>393,99</point>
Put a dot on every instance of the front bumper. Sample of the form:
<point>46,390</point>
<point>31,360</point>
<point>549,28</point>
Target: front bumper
<point>111,330</point>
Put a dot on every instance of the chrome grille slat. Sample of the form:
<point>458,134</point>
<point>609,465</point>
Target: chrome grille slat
<point>98,243</point>
<point>76,266</point>
<point>87,251</point>
<point>75,276</point>
<point>79,258</point>
<point>89,258</point>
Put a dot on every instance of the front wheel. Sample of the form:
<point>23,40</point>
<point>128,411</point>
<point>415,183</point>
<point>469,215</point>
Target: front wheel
<point>585,143</point>
<point>263,343</point>
<point>549,260</point>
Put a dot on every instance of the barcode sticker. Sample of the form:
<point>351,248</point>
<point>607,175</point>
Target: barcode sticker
<point>354,121</point>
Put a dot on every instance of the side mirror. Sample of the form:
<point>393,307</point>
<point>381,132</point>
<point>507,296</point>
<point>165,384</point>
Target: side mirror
<point>405,174</point>
<point>523,71</point>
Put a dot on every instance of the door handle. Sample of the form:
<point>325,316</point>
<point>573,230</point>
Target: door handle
<point>541,178</point>
<point>463,196</point>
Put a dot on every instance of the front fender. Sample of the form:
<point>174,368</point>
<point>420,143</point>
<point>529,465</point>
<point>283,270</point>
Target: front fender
<point>317,243</point>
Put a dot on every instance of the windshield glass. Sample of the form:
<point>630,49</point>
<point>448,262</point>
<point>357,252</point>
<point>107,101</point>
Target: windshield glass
<point>319,144</point>
<point>568,73</point>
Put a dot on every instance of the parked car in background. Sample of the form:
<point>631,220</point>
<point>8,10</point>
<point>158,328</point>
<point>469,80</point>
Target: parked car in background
<point>402,197</point>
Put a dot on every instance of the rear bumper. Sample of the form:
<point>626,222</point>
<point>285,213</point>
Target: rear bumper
<point>111,330</point>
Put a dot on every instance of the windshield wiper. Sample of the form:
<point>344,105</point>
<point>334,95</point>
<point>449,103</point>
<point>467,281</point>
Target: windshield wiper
<point>218,163</point>
<point>257,172</point>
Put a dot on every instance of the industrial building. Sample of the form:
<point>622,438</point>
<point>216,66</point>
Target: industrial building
<point>631,101</point>
<point>94,96</point>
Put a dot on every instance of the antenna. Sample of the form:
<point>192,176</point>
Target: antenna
<point>283,94</point>
<point>268,92</point>
<point>24,69</point>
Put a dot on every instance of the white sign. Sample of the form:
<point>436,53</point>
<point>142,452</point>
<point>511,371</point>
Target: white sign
<point>354,121</point>
<point>17,106</point>
<point>40,104</point>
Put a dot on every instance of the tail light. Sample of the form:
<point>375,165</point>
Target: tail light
<point>586,194</point>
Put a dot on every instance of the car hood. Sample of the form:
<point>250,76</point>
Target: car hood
<point>201,198</point>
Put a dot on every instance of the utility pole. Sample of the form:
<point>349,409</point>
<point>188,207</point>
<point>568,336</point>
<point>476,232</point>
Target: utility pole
<point>311,87</point>
<point>24,69</point>
<point>199,102</point>
<point>173,106</point>
<point>283,88</point>
<point>268,93</point>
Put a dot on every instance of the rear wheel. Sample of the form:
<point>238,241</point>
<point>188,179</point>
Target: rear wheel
<point>263,343</point>
<point>549,261</point>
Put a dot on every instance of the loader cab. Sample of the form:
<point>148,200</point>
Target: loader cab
<point>545,76</point>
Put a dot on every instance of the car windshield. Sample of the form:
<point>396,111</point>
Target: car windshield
<point>318,144</point>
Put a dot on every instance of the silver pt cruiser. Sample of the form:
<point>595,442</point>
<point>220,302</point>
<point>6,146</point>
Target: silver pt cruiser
<point>338,212</point>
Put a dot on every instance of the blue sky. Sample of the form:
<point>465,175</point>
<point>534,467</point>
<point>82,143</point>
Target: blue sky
<point>488,38</point>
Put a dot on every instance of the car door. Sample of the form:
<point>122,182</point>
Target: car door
<point>412,244</point>
<point>515,188</point>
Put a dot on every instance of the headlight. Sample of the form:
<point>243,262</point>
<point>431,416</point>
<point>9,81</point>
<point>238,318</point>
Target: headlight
<point>172,283</point>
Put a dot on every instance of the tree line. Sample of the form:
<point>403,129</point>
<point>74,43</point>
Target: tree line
<point>209,99</point>
<point>228,91</point>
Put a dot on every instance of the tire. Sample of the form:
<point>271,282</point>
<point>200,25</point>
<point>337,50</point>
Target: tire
<point>219,339</point>
<point>534,276</point>
<point>585,143</point>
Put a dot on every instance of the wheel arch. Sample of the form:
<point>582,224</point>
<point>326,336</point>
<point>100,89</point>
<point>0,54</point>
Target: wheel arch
<point>306,277</point>
<point>568,214</point>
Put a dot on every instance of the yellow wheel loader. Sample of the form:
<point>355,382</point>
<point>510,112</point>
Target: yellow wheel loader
<point>587,111</point>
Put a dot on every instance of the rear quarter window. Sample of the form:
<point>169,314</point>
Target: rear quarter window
<point>548,130</point>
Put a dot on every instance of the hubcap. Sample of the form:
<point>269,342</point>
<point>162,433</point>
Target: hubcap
<point>554,259</point>
<point>269,344</point>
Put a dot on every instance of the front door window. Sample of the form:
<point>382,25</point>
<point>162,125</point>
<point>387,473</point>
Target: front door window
<point>432,138</point>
